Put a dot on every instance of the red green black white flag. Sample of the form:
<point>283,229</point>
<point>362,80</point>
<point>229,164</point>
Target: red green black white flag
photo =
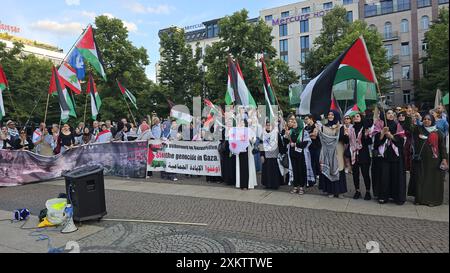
<point>88,49</point>
<point>354,63</point>
<point>96,102</point>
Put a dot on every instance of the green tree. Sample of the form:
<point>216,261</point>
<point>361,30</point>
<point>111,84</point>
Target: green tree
<point>28,79</point>
<point>244,40</point>
<point>180,73</point>
<point>125,62</point>
<point>435,63</point>
<point>337,35</point>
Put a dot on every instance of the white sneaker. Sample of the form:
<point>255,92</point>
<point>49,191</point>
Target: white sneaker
<point>175,179</point>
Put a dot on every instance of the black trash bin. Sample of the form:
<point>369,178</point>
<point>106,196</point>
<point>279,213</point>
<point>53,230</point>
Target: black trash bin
<point>85,188</point>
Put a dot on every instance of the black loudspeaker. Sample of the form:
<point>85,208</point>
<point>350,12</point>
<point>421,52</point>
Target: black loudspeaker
<point>85,188</point>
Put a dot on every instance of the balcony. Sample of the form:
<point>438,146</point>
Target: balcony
<point>390,36</point>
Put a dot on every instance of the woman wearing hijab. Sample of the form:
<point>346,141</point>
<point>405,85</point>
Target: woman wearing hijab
<point>272,145</point>
<point>406,122</point>
<point>23,143</point>
<point>360,141</point>
<point>332,180</point>
<point>429,164</point>
<point>389,143</point>
<point>300,169</point>
<point>87,137</point>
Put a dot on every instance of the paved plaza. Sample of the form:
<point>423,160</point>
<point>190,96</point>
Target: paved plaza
<point>228,220</point>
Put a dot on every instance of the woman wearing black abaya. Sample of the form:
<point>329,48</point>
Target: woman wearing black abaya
<point>273,145</point>
<point>428,175</point>
<point>360,155</point>
<point>389,143</point>
<point>228,161</point>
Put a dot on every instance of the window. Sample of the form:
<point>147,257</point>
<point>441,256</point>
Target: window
<point>328,5</point>
<point>387,6</point>
<point>370,10</point>
<point>268,18</point>
<point>403,5</point>
<point>423,3</point>
<point>424,45</point>
<point>442,1</point>
<point>350,16</point>
<point>390,74</point>
<point>405,72</point>
<point>284,45</point>
<point>212,30</point>
<point>304,42</point>
<point>387,30</point>
<point>425,22</point>
<point>404,26</point>
<point>373,27</point>
<point>304,26</point>
<point>405,49</point>
<point>389,51</point>
<point>284,50</point>
<point>285,14</point>
<point>306,10</point>
<point>347,2</point>
<point>406,96</point>
<point>283,30</point>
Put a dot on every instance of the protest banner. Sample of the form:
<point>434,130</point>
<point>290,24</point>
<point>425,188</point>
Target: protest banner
<point>123,159</point>
<point>184,157</point>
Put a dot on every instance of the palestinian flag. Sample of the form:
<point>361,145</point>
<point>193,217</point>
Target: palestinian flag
<point>213,112</point>
<point>3,86</point>
<point>69,77</point>
<point>3,80</point>
<point>352,111</point>
<point>181,117</point>
<point>237,91</point>
<point>354,63</point>
<point>127,93</point>
<point>96,102</point>
<point>268,91</point>
<point>88,49</point>
<point>57,88</point>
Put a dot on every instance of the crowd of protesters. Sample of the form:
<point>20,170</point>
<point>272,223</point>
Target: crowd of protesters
<point>303,152</point>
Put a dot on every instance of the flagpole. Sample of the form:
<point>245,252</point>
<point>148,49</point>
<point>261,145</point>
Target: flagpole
<point>85,109</point>
<point>46,108</point>
<point>129,109</point>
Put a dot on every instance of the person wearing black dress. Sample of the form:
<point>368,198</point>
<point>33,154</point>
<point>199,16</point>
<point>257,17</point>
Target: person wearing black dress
<point>66,138</point>
<point>23,143</point>
<point>360,141</point>
<point>272,146</point>
<point>389,143</point>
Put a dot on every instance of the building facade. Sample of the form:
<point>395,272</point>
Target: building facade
<point>40,50</point>
<point>401,23</point>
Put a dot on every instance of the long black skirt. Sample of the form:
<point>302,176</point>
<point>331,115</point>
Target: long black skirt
<point>243,170</point>
<point>376,175</point>
<point>229,169</point>
<point>393,182</point>
<point>333,187</point>
<point>271,176</point>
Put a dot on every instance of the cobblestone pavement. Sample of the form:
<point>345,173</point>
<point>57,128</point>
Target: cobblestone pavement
<point>234,226</point>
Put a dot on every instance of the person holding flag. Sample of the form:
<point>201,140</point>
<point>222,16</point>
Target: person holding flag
<point>332,179</point>
<point>360,141</point>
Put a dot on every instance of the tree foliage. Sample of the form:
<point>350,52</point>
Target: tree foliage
<point>435,63</point>
<point>246,40</point>
<point>180,73</point>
